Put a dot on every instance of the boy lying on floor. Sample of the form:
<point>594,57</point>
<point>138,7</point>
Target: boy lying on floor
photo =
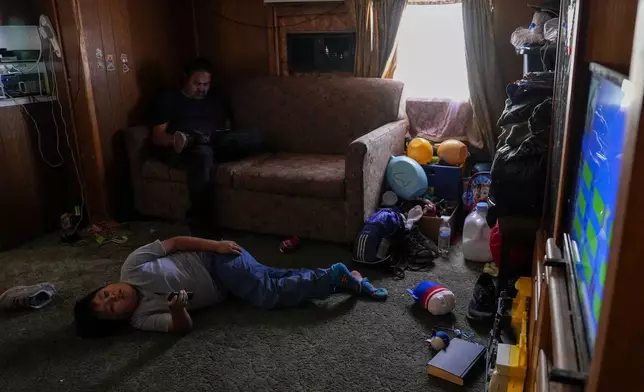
<point>209,270</point>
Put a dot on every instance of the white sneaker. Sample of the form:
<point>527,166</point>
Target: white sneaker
<point>21,297</point>
<point>180,141</point>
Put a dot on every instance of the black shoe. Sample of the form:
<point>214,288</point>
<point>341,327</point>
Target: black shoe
<point>483,304</point>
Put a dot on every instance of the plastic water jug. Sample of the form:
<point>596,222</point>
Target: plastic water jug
<point>476,235</point>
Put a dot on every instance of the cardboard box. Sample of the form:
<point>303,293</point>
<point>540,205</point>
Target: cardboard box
<point>429,225</point>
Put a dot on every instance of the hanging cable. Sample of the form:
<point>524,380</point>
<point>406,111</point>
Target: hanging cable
<point>81,186</point>
<point>53,115</point>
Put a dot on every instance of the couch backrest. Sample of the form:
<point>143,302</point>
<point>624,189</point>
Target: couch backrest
<point>314,114</point>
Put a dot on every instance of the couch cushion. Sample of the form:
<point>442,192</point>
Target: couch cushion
<point>153,169</point>
<point>309,175</point>
<point>226,172</point>
<point>310,114</point>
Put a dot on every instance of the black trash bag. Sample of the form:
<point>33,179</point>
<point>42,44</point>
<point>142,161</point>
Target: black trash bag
<point>519,172</point>
<point>524,95</point>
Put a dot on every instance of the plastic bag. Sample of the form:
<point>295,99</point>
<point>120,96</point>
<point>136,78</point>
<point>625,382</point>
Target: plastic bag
<point>533,35</point>
<point>518,172</point>
<point>551,30</point>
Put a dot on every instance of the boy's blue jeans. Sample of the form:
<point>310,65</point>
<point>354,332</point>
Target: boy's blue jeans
<point>267,287</point>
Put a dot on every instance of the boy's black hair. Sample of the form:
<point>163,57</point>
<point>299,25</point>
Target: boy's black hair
<point>200,64</point>
<point>88,325</point>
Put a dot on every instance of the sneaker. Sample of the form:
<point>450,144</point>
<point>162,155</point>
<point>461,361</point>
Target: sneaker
<point>482,306</point>
<point>22,297</point>
<point>421,249</point>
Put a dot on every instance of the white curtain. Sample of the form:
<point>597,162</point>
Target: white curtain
<point>484,78</point>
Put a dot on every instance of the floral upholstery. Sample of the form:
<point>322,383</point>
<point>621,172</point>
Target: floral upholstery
<point>331,139</point>
<point>154,169</point>
<point>310,114</point>
<point>225,173</point>
<point>308,175</point>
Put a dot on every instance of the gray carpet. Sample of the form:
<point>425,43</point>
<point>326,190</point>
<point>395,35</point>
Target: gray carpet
<point>338,344</point>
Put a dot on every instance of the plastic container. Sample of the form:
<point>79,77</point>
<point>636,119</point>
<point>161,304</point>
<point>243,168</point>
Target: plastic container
<point>406,178</point>
<point>476,235</point>
<point>444,234</point>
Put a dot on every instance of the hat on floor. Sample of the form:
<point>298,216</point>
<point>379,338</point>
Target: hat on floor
<point>437,299</point>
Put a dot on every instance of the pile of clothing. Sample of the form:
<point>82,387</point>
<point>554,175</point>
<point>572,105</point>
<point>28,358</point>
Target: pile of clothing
<point>519,167</point>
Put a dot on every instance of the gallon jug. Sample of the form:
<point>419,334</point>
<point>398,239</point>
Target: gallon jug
<point>476,235</point>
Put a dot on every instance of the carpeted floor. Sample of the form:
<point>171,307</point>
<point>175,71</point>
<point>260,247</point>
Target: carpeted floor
<point>338,344</point>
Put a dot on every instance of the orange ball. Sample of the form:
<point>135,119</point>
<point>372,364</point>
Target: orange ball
<point>453,152</point>
<point>420,150</point>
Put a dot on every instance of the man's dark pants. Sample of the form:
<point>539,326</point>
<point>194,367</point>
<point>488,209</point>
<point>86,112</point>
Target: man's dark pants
<point>197,161</point>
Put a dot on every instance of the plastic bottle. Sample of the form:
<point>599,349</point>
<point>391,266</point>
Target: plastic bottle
<point>444,234</point>
<point>476,235</point>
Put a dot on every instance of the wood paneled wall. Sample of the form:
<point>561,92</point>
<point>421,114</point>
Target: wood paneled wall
<point>508,15</point>
<point>234,36</point>
<point>614,49</point>
<point>157,36</point>
<point>34,194</point>
<point>240,49</point>
<point>303,18</point>
<point>127,52</point>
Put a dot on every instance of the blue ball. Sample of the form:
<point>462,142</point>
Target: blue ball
<point>406,178</point>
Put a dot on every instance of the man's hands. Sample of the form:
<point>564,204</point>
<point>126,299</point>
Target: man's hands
<point>178,302</point>
<point>227,248</point>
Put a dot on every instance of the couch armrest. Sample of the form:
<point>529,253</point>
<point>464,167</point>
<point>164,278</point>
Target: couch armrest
<point>365,170</point>
<point>136,142</point>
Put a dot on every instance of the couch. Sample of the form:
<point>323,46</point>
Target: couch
<point>331,139</point>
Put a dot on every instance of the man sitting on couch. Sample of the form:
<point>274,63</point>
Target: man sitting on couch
<point>183,123</point>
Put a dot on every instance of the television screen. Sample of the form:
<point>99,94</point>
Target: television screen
<point>595,198</point>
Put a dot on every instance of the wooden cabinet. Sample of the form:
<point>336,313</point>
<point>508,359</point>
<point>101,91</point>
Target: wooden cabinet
<point>610,33</point>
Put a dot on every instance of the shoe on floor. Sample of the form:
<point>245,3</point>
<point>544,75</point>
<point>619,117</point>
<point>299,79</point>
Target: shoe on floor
<point>22,297</point>
<point>482,306</point>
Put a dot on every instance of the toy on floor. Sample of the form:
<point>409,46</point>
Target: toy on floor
<point>420,150</point>
<point>406,177</point>
<point>477,190</point>
<point>453,152</point>
<point>290,245</point>
<point>438,340</point>
<point>435,298</point>
<point>389,199</point>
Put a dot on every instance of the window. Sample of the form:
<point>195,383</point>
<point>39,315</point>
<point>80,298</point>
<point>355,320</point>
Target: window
<point>321,52</point>
<point>431,52</point>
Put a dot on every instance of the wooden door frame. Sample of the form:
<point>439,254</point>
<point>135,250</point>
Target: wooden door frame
<point>619,340</point>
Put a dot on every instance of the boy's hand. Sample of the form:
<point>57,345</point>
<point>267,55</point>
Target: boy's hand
<point>178,302</point>
<point>228,247</point>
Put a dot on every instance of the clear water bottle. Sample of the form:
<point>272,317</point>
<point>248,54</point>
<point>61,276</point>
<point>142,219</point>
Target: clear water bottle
<point>444,234</point>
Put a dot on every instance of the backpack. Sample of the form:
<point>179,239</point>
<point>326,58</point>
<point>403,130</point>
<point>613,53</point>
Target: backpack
<point>381,230</point>
<point>385,242</point>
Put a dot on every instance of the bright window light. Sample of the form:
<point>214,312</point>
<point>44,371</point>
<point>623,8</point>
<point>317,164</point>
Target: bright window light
<point>431,52</point>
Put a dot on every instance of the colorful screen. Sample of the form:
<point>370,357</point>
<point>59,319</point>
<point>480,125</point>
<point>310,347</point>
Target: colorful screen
<point>596,195</point>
